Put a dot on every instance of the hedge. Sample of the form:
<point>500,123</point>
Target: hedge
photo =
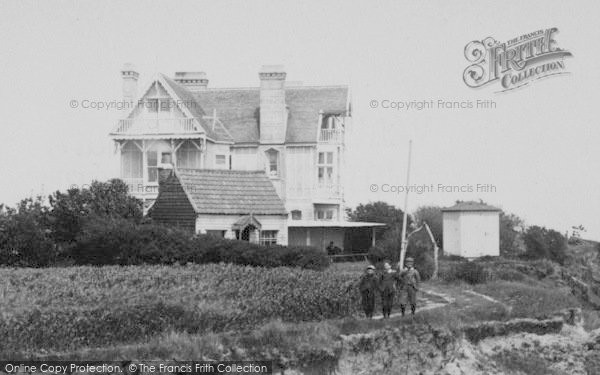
<point>126,243</point>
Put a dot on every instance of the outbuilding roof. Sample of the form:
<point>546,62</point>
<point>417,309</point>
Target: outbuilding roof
<point>470,206</point>
<point>230,192</point>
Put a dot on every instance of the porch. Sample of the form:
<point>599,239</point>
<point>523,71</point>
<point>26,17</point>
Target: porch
<point>324,234</point>
<point>141,159</point>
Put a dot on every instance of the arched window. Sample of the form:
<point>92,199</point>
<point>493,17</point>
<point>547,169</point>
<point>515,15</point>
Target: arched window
<point>272,162</point>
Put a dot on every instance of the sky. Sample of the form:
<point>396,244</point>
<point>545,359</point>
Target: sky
<point>539,147</point>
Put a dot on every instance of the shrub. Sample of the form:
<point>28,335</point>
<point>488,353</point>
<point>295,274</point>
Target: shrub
<point>71,210</point>
<point>377,255</point>
<point>122,242</point>
<point>454,258</point>
<point>25,239</point>
<point>423,259</point>
<point>545,243</point>
<point>508,275</point>
<point>471,272</point>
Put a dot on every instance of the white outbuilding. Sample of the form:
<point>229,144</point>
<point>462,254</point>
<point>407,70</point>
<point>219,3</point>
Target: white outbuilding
<point>471,230</point>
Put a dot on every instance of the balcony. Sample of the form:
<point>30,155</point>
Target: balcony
<point>139,126</point>
<point>331,136</point>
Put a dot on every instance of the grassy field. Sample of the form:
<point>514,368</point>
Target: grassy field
<point>67,308</point>
<point>203,311</point>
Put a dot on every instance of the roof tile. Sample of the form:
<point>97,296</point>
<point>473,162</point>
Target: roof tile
<point>231,192</point>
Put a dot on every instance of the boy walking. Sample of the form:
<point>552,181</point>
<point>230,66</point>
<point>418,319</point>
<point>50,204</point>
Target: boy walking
<point>368,286</point>
<point>409,286</point>
<point>388,281</point>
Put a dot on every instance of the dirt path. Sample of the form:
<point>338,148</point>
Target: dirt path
<point>426,300</point>
<point>429,299</point>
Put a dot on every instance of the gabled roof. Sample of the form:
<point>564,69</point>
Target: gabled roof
<point>470,206</point>
<point>216,131</point>
<point>213,191</point>
<point>246,220</point>
<point>239,110</point>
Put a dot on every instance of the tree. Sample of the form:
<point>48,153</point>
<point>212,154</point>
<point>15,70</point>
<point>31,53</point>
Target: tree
<point>511,226</point>
<point>71,210</point>
<point>432,215</point>
<point>545,243</point>
<point>25,235</point>
<point>377,212</point>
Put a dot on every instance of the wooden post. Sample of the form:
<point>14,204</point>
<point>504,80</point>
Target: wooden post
<point>373,237</point>
<point>405,217</point>
<point>435,252</point>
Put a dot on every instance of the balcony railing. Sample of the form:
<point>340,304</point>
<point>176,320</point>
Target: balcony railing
<point>331,136</point>
<point>161,126</point>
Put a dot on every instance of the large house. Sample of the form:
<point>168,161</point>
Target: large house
<point>263,164</point>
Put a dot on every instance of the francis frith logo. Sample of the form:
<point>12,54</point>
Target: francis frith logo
<point>514,63</point>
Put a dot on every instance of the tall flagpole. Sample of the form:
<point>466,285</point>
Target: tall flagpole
<point>405,217</point>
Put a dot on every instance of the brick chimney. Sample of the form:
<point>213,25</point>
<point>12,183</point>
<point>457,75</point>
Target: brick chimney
<point>273,112</point>
<point>130,82</point>
<point>194,81</point>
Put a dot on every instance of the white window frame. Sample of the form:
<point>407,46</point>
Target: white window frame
<point>325,165</point>
<point>273,173</point>
<point>324,214</point>
<point>268,237</point>
<point>152,167</point>
<point>217,157</point>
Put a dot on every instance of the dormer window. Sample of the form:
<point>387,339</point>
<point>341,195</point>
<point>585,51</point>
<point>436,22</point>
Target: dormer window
<point>329,122</point>
<point>272,162</point>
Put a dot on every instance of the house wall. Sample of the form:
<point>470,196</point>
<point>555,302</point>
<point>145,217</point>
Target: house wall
<point>471,234</point>
<point>317,237</point>
<point>206,222</point>
<point>302,171</point>
<point>451,233</point>
<point>480,234</point>
<point>214,149</point>
<point>280,180</point>
<point>245,159</point>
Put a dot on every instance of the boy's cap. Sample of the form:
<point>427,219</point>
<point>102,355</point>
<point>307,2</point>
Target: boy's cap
<point>370,267</point>
<point>409,260</point>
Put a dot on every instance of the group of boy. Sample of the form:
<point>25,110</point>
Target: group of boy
<point>387,283</point>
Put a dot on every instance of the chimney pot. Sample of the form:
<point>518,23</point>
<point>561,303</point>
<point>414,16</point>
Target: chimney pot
<point>130,82</point>
<point>273,112</point>
<point>194,81</point>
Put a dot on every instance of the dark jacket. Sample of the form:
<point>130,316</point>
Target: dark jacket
<point>388,281</point>
<point>369,283</point>
<point>410,277</point>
